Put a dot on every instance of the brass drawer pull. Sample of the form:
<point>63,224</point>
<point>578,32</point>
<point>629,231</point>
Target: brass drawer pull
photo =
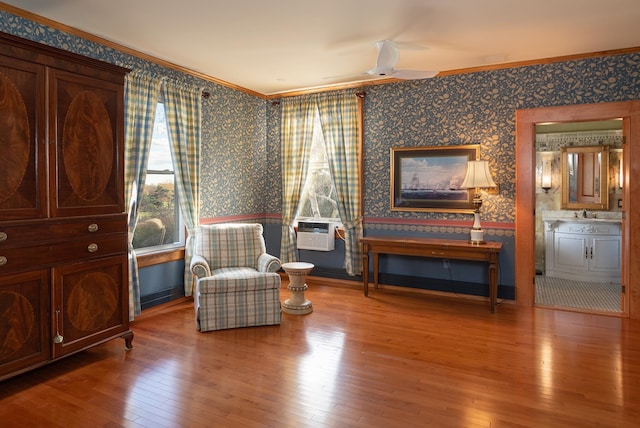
<point>92,248</point>
<point>3,236</point>
<point>93,227</point>
<point>3,260</point>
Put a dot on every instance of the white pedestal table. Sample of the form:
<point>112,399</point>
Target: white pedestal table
<point>297,304</point>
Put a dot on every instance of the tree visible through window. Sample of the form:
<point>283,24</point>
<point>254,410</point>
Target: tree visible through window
<point>318,200</point>
<point>158,215</point>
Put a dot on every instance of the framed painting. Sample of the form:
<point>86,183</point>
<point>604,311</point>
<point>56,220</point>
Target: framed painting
<point>429,178</point>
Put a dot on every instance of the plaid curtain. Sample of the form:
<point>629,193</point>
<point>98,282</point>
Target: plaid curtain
<point>141,98</point>
<point>339,120</point>
<point>296,134</point>
<point>183,106</point>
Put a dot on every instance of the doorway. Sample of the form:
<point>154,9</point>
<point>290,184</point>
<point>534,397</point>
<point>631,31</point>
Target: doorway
<point>568,276</point>
<point>526,120</point>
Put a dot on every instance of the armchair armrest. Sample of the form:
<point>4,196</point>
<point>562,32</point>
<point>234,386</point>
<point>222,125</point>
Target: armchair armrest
<point>199,267</point>
<point>268,263</point>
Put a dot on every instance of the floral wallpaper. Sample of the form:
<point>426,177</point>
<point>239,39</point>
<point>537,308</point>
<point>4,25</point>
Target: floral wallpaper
<point>233,156</point>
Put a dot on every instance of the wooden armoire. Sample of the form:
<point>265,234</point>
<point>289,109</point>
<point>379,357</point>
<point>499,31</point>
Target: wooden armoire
<point>63,227</point>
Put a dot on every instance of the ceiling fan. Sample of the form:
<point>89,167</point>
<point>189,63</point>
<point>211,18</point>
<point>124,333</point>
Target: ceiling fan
<point>387,59</point>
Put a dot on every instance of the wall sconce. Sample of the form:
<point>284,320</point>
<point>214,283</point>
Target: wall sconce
<point>478,177</point>
<point>546,176</point>
<point>620,172</point>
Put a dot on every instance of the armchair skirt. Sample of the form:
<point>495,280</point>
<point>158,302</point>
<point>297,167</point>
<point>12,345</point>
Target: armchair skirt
<point>237,298</point>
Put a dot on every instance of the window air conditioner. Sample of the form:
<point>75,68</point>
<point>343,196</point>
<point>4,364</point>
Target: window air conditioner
<point>318,236</point>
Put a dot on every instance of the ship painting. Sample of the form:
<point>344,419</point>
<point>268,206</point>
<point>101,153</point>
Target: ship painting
<point>439,187</point>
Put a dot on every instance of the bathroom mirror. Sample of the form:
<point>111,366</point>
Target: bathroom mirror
<point>585,177</point>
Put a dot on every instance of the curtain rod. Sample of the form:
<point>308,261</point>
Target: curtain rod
<point>358,94</point>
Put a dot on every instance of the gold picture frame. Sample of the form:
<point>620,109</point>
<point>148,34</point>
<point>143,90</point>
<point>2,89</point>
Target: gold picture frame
<point>428,178</point>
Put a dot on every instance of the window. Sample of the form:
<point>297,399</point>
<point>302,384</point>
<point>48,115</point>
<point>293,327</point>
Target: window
<point>159,223</point>
<point>318,200</point>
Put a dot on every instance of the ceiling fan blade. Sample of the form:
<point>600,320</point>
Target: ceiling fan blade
<point>387,55</point>
<point>414,74</point>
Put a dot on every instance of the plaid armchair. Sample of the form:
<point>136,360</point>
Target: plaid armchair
<point>237,284</point>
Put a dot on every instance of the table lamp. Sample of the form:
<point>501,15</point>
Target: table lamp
<point>478,177</point>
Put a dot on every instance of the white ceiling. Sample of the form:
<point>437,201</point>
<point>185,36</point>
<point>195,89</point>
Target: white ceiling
<point>280,46</point>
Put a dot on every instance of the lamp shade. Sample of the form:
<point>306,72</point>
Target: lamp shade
<point>478,175</point>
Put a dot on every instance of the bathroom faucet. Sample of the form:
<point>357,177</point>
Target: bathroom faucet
<point>584,213</point>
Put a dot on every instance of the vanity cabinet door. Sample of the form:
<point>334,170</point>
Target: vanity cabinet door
<point>571,252</point>
<point>606,255</point>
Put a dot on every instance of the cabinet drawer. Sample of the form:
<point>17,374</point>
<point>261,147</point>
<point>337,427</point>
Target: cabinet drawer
<point>22,234</point>
<point>20,258</point>
<point>88,227</point>
<point>82,249</point>
<point>25,234</point>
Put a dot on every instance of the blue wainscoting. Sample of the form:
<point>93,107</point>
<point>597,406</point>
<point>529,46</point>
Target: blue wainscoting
<point>161,283</point>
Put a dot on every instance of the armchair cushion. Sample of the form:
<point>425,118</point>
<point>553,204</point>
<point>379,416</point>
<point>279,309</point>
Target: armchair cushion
<point>230,245</point>
<point>231,280</point>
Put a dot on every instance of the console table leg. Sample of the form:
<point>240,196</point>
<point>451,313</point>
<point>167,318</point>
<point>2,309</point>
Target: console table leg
<point>365,270</point>
<point>493,286</point>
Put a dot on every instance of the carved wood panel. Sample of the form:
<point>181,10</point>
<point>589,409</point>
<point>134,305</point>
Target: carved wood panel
<point>24,303</point>
<point>91,301</point>
<point>86,164</point>
<point>22,192</point>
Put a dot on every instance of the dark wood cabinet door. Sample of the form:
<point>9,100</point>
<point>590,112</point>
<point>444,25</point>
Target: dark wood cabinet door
<point>22,146</point>
<point>91,303</point>
<point>24,323</point>
<point>86,165</point>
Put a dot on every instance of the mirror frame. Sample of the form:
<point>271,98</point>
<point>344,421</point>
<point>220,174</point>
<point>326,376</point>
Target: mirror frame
<point>603,204</point>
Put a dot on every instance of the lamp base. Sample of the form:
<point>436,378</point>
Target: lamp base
<point>477,236</point>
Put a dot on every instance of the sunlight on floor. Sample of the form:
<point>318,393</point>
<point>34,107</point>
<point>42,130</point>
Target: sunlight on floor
<point>318,372</point>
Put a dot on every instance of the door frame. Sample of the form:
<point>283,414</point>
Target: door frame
<point>526,119</point>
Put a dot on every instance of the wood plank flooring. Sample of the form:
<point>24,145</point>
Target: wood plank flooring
<point>393,359</point>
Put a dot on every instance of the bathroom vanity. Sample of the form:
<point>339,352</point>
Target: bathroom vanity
<point>583,248</point>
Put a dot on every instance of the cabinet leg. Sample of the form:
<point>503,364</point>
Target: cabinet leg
<point>128,340</point>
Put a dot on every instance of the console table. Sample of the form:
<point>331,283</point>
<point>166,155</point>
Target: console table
<point>455,249</point>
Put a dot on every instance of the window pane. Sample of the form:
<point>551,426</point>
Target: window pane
<point>160,154</point>
<point>318,200</point>
<point>158,213</point>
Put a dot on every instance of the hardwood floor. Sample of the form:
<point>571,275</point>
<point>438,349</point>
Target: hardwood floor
<point>393,359</point>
